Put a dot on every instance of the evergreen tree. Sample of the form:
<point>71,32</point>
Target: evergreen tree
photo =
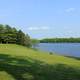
<point>20,37</point>
<point>11,35</point>
<point>1,32</point>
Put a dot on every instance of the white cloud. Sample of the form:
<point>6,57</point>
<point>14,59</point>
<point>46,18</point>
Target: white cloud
<point>33,28</point>
<point>45,28</point>
<point>70,10</point>
<point>39,28</point>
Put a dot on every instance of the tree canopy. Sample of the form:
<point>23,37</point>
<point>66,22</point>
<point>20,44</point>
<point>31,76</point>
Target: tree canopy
<point>9,35</point>
<point>60,40</point>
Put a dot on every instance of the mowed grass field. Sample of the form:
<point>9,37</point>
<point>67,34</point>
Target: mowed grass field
<point>21,63</point>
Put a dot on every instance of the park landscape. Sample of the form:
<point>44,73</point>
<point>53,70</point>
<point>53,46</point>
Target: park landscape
<point>19,61</point>
<point>39,39</point>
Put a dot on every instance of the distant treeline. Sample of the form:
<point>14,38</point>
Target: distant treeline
<point>60,40</point>
<point>9,35</point>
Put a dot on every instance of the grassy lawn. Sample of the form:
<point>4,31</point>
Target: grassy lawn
<point>21,63</point>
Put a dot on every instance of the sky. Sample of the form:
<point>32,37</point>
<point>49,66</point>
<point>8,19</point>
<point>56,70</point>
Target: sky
<point>42,18</point>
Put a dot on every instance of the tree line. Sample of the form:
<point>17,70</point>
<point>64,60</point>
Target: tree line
<point>10,35</point>
<point>60,40</point>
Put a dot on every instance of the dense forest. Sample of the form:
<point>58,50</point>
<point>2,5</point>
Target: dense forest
<point>9,35</point>
<point>61,40</point>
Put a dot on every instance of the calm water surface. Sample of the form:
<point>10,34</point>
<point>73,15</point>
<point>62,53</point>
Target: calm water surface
<point>70,49</point>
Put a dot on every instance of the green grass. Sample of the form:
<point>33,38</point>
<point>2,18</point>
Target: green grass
<point>21,63</point>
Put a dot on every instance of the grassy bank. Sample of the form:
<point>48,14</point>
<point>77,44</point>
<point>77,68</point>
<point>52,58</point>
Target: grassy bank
<point>21,63</point>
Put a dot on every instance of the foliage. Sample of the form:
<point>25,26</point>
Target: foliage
<point>35,41</point>
<point>11,35</point>
<point>61,40</point>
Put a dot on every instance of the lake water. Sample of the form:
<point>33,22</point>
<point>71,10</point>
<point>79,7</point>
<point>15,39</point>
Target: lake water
<point>69,49</point>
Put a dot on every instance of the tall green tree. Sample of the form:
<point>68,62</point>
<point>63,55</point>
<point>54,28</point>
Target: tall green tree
<point>20,37</point>
<point>12,35</point>
<point>1,32</point>
<point>23,39</point>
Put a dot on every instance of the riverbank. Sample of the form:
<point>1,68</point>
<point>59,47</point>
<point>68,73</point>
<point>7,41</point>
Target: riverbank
<point>21,63</point>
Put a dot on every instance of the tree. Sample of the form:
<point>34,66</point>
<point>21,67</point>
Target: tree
<point>27,41</point>
<point>1,32</point>
<point>8,30</point>
<point>20,37</point>
<point>23,39</point>
<point>11,35</point>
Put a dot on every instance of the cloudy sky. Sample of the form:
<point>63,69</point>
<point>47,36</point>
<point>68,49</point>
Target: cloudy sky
<point>42,18</point>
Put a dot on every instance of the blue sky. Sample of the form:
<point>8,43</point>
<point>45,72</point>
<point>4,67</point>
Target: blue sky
<point>42,18</point>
